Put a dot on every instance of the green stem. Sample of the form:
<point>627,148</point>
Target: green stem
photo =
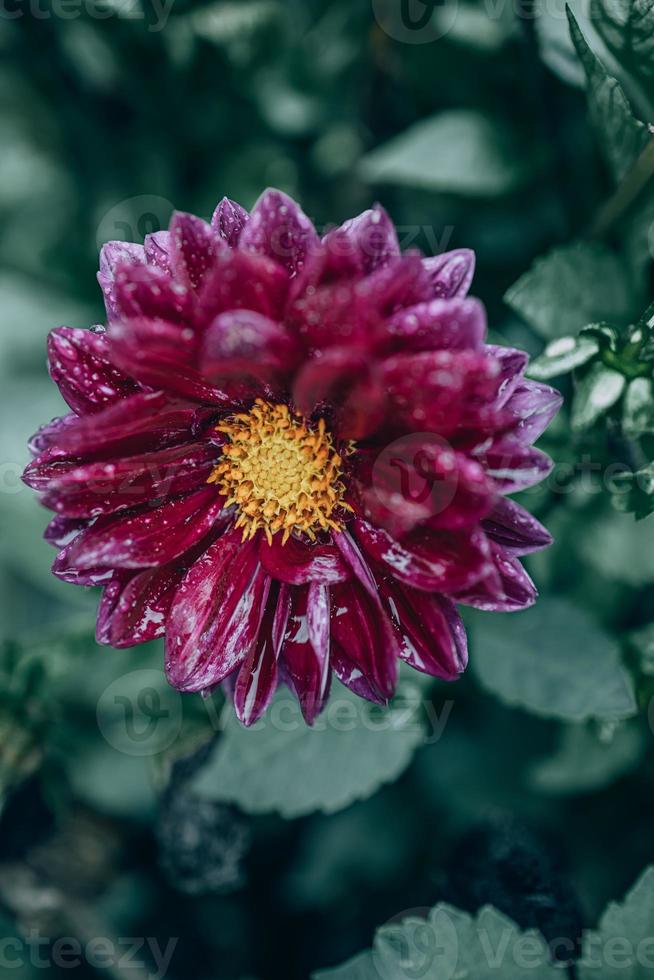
<point>635,181</point>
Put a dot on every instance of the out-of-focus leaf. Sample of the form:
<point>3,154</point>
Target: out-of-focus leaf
<point>281,765</point>
<point>622,136</point>
<point>638,407</point>
<point>642,641</point>
<point>585,761</point>
<point>595,394</point>
<point>633,493</point>
<point>365,844</point>
<point>618,547</point>
<point>562,356</point>
<point>626,930</point>
<point>627,27</point>
<point>570,287</point>
<point>457,152</point>
<point>554,43</point>
<point>448,943</point>
<point>227,22</point>
<point>555,661</point>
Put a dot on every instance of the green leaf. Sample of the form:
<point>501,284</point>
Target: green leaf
<point>281,765</point>
<point>633,493</point>
<point>458,152</point>
<point>562,356</point>
<point>554,43</point>
<point>622,136</point>
<point>627,27</point>
<point>555,661</point>
<point>619,548</point>
<point>623,944</point>
<point>638,407</point>
<point>229,22</point>
<point>570,287</point>
<point>587,760</point>
<point>595,394</point>
<point>642,642</point>
<point>444,943</point>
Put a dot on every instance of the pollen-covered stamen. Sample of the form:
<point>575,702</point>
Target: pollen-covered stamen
<point>281,474</point>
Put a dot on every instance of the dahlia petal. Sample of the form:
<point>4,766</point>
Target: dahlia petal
<point>354,558</point>
<point>305,651</point>
<point>512,527</point>
<point>420,478</point>
<point>362,244</point>
<point>279,229</point>
<point>240,281</point>
<point>62,530</point>
<point>194,247</point>
<point>134,606</point>
<point>341,382</point>
<point>157,250</point>
<point>228,220</point>
<point>257,678</point>
<point>516,590</point>
<point>451,272</point>
<point>350,674</point>
<point>113,254</point>
<point>88,489</point>
<point>332,314</point>
<point>435,561</point>
<point>514,467</point>
<point>245,343</point>
<point>299,563</point>
<point>533,406</point>
<point>432,634</point>
<point>159,354</point>
<point>148,420</point>
<point>147,291</point>
<point>45,438</point>
<point>426,389</point>
<point>150,536</point>
<point>363,634</point>
<point>80,365</point>
<point>442,390</point>
<point>512,364</point>
<point>401,282</point>
<point>216,615</point>
<point>455,324</point>
<point>62,569</point>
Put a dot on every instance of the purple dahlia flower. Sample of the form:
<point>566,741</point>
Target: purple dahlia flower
<point>289,455</point>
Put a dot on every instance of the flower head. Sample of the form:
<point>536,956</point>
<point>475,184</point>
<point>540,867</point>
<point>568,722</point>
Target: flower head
<point>289,455</point>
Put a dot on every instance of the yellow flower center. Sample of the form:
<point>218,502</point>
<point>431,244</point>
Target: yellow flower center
<point>282,475</point>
